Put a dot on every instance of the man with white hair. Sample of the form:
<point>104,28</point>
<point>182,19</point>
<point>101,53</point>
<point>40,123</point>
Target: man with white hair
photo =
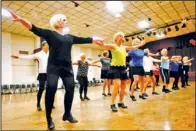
<point>59,61</point>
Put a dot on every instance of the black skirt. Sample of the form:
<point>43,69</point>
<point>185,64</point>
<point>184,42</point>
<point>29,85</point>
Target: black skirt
<point>42,77</point>
<point>138,70</point>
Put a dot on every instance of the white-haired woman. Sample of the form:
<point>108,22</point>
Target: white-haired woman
<point>82,75</point>
<point>186,64</point>
<point>105,61</point>
<point>148,68</point>
<point>117,70</point>
<point>138,69</point>
<point>59,61</point>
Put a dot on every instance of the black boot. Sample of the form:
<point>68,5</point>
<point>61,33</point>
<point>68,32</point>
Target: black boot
<point>155,93</point>
<point>142,97</point>
<point>86,98</point>
<point>114,109</point>
<point>122,105</point>
<point>109,94</point>
<point>133,98</point>
<point>104,94</point>
<point>144,94</point>
<point>50,123</point>
<point>81,98</point>
<point>39,107</point>
<point>69,118</point>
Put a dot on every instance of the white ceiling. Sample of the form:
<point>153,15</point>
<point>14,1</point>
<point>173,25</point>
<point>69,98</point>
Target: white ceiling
<point>102,23</point>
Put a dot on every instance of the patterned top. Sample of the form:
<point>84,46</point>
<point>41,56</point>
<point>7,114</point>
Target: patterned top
<point>82,69</point>
<point>105,63</point>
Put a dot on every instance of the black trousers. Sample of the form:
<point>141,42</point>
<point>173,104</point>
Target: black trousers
<point>186,76</point>
<point>42,77</point>
<point>181,75</point>
<point>175,75</point>
<point>40,91</point>
<point>157,79</point>
<point>66,74</point>
<point>83,81</point>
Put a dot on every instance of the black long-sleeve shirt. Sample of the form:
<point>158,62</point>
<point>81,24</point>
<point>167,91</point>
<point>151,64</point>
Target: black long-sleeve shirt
<point>59,45</point>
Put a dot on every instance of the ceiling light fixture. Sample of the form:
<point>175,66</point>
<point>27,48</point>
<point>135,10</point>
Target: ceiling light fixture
<point>75,4</point>
<point>168,29</point>
<point>115,7</point>
<point>176,27</point>
<point>183,25</point>
<point>154,33</point>
<point>143,24</point>
<point>165,32</point>
<point>5,13</point>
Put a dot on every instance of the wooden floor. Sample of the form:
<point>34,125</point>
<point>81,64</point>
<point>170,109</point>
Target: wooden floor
<point>174,111</point>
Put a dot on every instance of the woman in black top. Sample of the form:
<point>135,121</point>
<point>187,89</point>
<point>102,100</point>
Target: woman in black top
<point>59,61</point>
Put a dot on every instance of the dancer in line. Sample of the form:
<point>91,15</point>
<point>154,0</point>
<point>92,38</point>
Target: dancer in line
<point>42,57</point>
<point>59,61</point>
<point>105,61</point>
<point>148,68</point>
<point>82,75</point>
<point>118,67</point>
<point>180,70</point>
<point>186,64</point>
<point>156,72</point>
<point>174,68</point>
<point>138,69</point>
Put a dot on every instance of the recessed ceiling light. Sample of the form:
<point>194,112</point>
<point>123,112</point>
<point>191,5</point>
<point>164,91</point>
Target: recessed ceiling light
<point>115,7</point>
<point>5,13</point>
<point>117,15</point>
<point>143,24</point>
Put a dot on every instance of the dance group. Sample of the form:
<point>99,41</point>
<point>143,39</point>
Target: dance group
<point>55,61</point>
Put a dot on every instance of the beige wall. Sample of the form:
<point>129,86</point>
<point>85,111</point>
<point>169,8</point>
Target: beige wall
<point>25,71</point>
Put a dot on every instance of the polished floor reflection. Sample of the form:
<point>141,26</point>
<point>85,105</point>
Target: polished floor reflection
<point>173,111</point>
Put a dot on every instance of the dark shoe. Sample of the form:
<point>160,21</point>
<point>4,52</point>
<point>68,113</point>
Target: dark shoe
<point>81,98</point>
<point>114,109</point>
<point>183,86</point>
<point>188,85</point>
<point>167,91</point>
<point>149,86</point>
<point>70,118</point>
<point>137,88</point>
<point>133,98</point>
<point>173,88</point>
<point>109,94</point>
<point>39,107</point>
<point>122,105</point>
<point>157,85</point>
<point>144,94</point>
<point>86,98</point>
<point>50,124</point>
<point>104,94</point>
<point>142,97</point>
<point>155,93</point>
<point>177,88</point>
